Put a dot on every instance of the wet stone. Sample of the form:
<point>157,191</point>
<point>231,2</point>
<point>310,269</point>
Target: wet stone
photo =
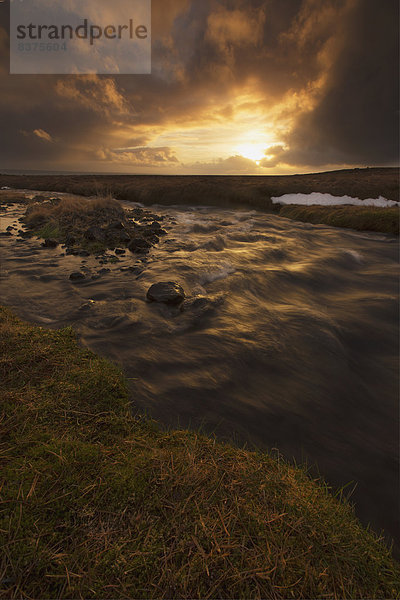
<point>77,276</point>
<point>139,245</point>
<point>50,243</point>
<point>167,292</point>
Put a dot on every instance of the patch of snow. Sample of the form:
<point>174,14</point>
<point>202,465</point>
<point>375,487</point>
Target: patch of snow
<point>316,198</point>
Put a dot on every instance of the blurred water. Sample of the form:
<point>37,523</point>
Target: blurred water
<point>288,339</point>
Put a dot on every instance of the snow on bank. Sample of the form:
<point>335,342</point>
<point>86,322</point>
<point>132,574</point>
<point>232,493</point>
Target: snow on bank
<point>315,198</point>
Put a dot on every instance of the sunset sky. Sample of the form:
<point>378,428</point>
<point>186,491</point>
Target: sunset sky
<point>237,87</point>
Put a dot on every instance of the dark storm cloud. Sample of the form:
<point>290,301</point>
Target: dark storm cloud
<point>328,69</point>
<point>357,118</point>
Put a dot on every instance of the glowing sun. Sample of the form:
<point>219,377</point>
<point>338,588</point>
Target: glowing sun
<point>252,151</point>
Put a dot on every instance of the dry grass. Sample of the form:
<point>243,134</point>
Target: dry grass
<point>230,191</point>
<point>70,209</point>
<point>73,216</point>
<point>97,504</point>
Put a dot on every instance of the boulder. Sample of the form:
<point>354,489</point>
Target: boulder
<point>155,226</point>
<point>136,212</point>
<point>168,292</point>
<point>50,243</point>
<point>139,245</point>
<point>77,276</point>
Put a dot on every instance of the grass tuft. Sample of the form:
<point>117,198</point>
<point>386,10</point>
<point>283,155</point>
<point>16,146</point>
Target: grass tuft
<point>96,503</point>
<point>72,217</point>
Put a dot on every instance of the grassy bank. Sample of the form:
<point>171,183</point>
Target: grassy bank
<point>96,503</point>
<point>384,220</point>
<point>234,191</point>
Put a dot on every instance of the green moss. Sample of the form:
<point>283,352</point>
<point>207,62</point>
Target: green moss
<point>96,503</point>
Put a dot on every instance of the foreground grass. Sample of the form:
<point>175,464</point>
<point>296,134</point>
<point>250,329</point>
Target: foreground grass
<point>384,220</point>
<point>96,503</point>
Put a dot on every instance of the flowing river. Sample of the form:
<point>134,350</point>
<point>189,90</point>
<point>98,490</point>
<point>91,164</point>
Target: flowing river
<point>288,338</point>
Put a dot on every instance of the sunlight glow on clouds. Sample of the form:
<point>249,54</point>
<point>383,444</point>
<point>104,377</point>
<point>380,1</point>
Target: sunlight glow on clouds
<point>237,86</point>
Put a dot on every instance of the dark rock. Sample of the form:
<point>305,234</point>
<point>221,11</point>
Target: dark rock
<point>167,292</point>
<point>155,226</point>
<point>136,212</point>
<point>120,251</point>
<point>49,243</point>
<point>104,271</point>
<point>5,233</point>
<point>84,253</point>
<point>139,245</point>
<point>94,234</point>
<point>151,237</point>
<point>72,252</point>
<point>77,276</point>
<point>10,228</point>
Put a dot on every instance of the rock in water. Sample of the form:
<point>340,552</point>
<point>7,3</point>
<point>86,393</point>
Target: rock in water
<point>139,245</point>
<point>77,276</point>
<point>49,243</point>
<point>168,292</point>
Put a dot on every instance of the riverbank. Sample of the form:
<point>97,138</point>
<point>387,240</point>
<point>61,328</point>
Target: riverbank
<point>239,191</point>
<point>97,503</point>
